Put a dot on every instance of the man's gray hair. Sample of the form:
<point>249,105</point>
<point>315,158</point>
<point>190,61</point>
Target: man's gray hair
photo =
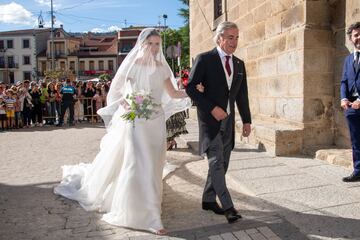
<point>221,28</point>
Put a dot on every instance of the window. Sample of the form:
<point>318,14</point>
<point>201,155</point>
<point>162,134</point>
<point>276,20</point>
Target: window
<point>59,49</point>
<point>11,62</point>
<point>101,65</point>
<point>26,60</point>
<point>43,66</point>
<point>62,65</point>
<point>91,65</point>
<point>2,62</point>
<point>10,44</point>
<point>111,65</point>
<point>27,75</point>
<point>217,8</point>
<point>2,44</point>
<point>12,77</point>
<point>72,65</point>
<point>26,43</point>
<point>126,47</point>
<point>82,65</point>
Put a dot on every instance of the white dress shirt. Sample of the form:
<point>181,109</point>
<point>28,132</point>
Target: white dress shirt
<point>355,57</point>
<point>223,55</point>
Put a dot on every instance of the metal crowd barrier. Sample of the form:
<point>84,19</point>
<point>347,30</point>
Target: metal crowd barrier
<point>84,110</point>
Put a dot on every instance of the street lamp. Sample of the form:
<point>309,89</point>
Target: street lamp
<point>52,39</point>
<point>164,17</point>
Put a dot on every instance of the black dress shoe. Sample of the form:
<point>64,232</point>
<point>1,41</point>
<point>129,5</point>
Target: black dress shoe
<point>213,206</point>
<point>232,215</point>
<point>352,178</point>
<point>236,213</point>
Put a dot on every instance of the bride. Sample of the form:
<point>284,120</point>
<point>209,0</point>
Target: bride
<point>125,178</point>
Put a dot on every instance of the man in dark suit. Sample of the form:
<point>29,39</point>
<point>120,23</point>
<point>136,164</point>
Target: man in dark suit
<point>350,100</point>
<point>223,77</point>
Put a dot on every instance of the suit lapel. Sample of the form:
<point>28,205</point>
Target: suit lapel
<point>357,69</point>
<point>355,72</point>
<point>354,69</point>
<point>352,63</point>
<point>236,65</point>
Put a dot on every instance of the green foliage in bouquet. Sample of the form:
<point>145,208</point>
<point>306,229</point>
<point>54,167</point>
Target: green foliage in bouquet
<point>141,105</point>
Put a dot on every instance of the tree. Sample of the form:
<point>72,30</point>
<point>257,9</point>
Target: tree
<point>184,33</point>
<point>104,77</point>
<point>184,12</point>
<point>59,74</point>
<point>172,37</point>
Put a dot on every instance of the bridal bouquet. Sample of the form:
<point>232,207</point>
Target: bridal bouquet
<point>141,105</point>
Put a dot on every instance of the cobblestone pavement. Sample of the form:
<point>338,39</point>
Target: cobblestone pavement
<point>31,163</point>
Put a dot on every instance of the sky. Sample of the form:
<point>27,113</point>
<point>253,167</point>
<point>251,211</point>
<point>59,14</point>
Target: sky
<point>89,15</point>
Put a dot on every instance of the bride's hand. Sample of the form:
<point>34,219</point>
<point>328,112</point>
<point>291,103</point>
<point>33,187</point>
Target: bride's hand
<point>125,104</point>
<point>200,87</point>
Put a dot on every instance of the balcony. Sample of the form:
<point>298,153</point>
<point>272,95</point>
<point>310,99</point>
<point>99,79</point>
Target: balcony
<point>13,65</point>
<point>58,54</point>
<point>9,65</point>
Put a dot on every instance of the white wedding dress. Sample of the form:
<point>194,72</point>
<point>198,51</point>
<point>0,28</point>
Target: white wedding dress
<point>125,178</point>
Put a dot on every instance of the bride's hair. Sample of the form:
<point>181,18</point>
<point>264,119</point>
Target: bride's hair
<point>153,33</point>
<point>145,35</point>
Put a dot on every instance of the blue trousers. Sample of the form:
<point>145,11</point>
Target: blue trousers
<point>353,119</point>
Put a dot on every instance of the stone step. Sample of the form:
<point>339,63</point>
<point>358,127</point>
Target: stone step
<point>278,139</point>
<point>341,157</point>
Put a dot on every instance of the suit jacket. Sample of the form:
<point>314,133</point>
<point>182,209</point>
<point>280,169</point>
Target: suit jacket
<point>209,71</point>
<point>350,78</point>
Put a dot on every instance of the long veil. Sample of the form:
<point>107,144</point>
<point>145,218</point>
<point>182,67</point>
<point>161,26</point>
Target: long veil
<point>127,72</point>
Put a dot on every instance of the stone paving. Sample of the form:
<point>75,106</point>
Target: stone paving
<point>31,163</point>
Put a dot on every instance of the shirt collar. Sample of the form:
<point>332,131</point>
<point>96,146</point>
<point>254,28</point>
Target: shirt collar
<point>222,54</point>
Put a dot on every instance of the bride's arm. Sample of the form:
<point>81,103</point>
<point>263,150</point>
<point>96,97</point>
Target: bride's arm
<point>173,93</point>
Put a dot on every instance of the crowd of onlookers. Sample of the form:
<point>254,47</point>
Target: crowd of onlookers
<point>29,103</point>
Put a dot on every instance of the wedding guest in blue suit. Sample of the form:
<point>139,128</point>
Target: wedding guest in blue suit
<point>350,100</point>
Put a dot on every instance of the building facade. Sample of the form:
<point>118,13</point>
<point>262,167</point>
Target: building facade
<point>64,46</point>
<point>18,51</point>
<point>85,56</point>
<point>293,52</point>
<point>97,55</point>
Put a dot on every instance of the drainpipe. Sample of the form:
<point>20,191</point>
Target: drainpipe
<point>225,10</point>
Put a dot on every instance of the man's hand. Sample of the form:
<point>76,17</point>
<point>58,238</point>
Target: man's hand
<point>246,129</point>
<point>218,113</point>
<point>200,87</point>
<point>345,104</point>
<point>355,104</point>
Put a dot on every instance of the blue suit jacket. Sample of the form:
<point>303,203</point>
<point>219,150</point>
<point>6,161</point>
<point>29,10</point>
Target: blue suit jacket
<point>349,78</point>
